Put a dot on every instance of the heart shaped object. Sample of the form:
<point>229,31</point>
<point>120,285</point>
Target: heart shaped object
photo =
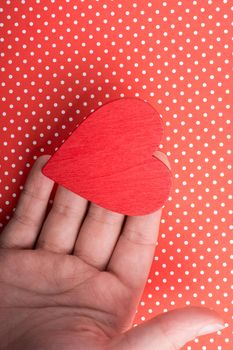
<point>108,159</point>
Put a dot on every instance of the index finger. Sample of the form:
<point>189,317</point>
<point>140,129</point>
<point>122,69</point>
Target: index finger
<point>134,251</point>
<point>133,254</point>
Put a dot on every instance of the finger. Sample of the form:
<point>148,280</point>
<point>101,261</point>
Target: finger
<point>171,330</point>
<point>98,235</point>
<point>25,224</point>
<point>134,251</point>
<point>162,156</point>
<point>62,224</point>
<point>136,245</point>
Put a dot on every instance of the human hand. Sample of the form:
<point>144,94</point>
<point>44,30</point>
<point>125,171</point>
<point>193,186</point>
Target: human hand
<point>73,280</point>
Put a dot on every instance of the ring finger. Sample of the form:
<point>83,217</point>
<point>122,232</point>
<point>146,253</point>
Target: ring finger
<point>62,224</point>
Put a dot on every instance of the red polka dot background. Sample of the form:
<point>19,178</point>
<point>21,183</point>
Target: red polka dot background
<point>60,60</point>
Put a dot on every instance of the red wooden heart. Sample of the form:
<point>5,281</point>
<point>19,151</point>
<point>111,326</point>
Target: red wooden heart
<point>108,159</point>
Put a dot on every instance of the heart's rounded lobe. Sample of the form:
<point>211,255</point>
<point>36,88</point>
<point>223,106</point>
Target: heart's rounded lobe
<point>108,159</point>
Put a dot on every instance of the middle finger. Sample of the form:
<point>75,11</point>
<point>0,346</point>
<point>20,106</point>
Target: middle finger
<point>98,236</point>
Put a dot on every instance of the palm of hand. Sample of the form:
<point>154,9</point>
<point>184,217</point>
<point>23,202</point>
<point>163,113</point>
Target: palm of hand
<point>56,293</point>
<point>72,280</point>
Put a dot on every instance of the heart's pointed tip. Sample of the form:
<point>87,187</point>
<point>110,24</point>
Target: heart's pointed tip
<point>46,168</point>
<point>46,172</point>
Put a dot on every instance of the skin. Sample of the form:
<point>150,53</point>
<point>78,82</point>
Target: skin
<point>73,279</point>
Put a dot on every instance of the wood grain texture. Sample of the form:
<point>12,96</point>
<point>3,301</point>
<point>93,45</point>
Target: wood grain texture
<point>108,159</point>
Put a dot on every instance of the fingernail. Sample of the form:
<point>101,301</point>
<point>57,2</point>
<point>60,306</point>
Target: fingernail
<point>163,157</point>
<point>210,328</point>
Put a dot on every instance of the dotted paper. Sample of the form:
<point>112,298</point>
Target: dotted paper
<point>60,60</point>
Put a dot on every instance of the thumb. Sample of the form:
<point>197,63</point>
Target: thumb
<point>170,330</point>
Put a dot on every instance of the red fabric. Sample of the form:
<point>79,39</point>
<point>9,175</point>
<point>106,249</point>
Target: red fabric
<point>61,60</point>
